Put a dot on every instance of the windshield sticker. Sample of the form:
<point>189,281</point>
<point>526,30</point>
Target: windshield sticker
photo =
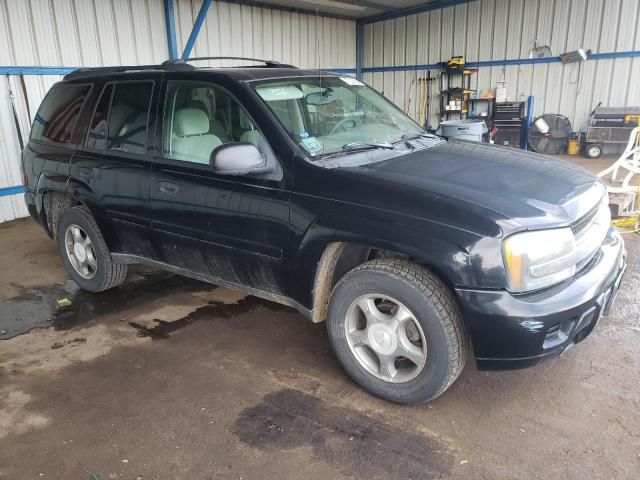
<point>312,144</point>
<point>351,81</point>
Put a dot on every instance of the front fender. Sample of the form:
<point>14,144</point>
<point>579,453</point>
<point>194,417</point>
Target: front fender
<point>448,250</point>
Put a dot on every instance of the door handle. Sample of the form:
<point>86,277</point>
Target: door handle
<point>168,187</point>
<point>85,172</point>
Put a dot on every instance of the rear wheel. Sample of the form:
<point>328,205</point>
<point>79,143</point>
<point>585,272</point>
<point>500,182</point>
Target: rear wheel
<point>84,252</point>
<point>396,329</point>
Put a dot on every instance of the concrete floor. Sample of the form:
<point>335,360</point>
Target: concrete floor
<point>167,378</point>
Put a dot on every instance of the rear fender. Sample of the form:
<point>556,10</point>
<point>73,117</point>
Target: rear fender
<point>49,183</point>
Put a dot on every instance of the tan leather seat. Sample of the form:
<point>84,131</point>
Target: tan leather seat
<point>192,141</point>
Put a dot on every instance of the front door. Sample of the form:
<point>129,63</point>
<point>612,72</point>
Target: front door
<point>110,171</point>
<point>229,228</point>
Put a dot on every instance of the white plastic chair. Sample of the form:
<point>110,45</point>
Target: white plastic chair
<point>630,162</point>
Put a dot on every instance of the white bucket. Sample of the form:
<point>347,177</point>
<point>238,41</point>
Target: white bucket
<point>463,129</point>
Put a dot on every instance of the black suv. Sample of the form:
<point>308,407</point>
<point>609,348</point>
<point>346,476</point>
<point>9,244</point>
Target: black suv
<point>313,190</point>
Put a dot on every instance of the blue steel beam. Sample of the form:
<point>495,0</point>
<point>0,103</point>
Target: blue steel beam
<point>403,12</point>
<point>196,28</point>
<point>525,133</point>
<point>171,29</point>
<point>359,49</point>
<point>369,4</point>
<point>283,8</point>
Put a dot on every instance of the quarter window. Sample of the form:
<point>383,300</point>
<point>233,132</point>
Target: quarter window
<point>56,119</point>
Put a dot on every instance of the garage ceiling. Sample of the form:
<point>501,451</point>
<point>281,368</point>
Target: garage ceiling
<point>355,9</point>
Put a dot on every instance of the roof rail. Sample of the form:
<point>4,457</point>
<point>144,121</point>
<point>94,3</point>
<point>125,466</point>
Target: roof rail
<point>89,71</point>
<point>267,63</point>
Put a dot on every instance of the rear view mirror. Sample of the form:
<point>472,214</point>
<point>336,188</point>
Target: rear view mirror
<point>321,98</point>
<point>238,159</point>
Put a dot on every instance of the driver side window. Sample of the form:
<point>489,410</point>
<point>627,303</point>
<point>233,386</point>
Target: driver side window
<point>199,117</point>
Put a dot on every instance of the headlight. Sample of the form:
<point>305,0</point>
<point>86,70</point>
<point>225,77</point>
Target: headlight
<point>539,259</point>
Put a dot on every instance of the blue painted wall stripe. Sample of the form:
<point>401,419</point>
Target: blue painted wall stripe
<point>7,191</point>
<point>26,70</point>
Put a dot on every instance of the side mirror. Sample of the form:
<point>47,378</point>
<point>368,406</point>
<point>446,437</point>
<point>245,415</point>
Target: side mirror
<point>238,159</point>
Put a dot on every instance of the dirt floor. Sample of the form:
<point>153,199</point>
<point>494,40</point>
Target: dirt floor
<point>167,378</point>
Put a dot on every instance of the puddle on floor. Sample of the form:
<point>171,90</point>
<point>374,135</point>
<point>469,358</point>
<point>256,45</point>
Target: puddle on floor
<point>39,307</point>
<point>356,444</point>
<point>162,329</point>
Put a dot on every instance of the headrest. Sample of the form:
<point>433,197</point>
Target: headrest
<point>190,121</point>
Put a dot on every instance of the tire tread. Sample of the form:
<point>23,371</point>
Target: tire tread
<point>429,285</point>
<point>114,273</point>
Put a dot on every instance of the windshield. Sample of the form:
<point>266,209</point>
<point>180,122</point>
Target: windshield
<point>325,115</point>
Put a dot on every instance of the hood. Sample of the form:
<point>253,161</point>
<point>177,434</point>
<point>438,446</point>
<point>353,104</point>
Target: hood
<point>520,186</point>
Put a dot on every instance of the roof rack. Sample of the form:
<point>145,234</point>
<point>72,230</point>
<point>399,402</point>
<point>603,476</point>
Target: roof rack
<point>267,63</point>
<point>171,65</point>
<point>82,72</point>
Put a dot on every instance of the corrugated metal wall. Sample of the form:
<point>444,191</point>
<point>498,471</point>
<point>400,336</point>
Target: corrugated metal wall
<point>129,32</point>
<point>245,31</point>
<point>506,29</point>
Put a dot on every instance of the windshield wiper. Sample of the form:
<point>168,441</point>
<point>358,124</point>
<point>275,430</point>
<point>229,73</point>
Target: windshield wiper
<point>413,136</point>
<point>366,146</point>
<point>355,147</point>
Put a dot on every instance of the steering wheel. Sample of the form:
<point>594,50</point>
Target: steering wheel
<point>342,124</point>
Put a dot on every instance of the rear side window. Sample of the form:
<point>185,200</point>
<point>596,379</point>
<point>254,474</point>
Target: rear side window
<point>56,119</point>
<point>121,118</point>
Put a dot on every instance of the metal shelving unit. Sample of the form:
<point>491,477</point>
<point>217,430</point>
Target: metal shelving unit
<point>455,85</point>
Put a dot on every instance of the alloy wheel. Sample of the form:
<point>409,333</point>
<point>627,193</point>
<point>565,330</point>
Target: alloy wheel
<point>385,338</point>
<point>80,251</point>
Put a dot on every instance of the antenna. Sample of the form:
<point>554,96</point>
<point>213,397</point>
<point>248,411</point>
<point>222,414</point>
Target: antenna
<point>318,61</point>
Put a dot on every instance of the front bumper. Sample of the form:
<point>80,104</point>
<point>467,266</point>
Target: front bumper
<point>515,331</point>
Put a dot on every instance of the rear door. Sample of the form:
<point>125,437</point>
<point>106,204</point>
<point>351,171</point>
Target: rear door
<point>230,228</point>
<point>110,171</point>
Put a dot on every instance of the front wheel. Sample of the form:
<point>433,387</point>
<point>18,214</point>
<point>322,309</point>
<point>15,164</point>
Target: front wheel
<point>396,329</point>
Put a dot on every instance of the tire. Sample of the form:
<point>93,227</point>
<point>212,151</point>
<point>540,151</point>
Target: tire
<point>104,274</point>
<point>593,150</point>
<point>433,310</point>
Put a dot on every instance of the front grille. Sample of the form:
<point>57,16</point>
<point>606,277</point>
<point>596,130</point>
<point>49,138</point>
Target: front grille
<point>584,222</point>
<point>590,231</point>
